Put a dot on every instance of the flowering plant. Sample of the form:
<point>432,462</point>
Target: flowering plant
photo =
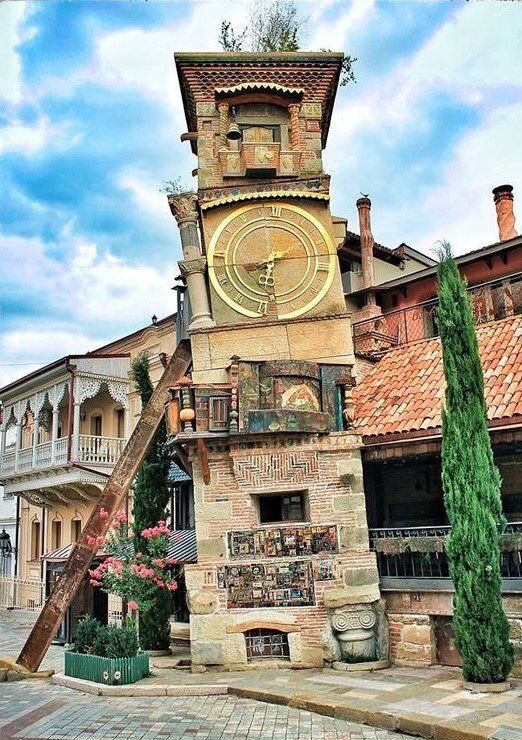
<point>134,576</point>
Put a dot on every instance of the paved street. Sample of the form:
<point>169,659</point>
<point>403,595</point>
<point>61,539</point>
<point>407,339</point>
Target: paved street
<point>38,710</point>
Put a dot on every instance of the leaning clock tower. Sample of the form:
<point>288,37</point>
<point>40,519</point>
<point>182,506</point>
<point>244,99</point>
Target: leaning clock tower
<point>284,570</point>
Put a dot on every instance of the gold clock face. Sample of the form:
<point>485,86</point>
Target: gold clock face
<point>271,259</point>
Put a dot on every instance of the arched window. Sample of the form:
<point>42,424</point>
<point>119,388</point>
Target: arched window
<point>76,529</point>
<point>56,534</point>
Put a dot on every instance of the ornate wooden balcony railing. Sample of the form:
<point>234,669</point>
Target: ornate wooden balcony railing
<point>90,449</point>
<point>492,301</point>
<point>418,552</point>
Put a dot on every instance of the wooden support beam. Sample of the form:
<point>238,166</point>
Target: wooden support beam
<point>203,460</point>
<point>111,500</point>
<point>183,458</point>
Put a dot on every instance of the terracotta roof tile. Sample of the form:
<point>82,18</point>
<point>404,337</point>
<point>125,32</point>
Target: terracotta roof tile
<point>405,389</point>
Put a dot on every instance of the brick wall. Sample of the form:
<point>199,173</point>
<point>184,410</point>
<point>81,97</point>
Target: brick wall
<point>328,469</point>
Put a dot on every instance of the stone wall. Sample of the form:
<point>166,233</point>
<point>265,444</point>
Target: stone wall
<point>331,480</point>
<point>411,621</point>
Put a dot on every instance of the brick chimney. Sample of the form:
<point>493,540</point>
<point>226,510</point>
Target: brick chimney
<point>503,199</point>
<point>364,205</point>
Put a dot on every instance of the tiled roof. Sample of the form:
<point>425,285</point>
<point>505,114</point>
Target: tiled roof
<point>177,475</point>
<point>404,391</point>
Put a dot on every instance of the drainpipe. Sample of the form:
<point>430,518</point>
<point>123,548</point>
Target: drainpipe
<point>503,199</point>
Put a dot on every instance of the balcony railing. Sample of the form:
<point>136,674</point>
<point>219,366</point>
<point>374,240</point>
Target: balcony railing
<point>105,450</point>
<point>491,301</point>
<point>91,449</point>
<point>418,552</point>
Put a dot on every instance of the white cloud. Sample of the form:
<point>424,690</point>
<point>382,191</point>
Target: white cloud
<point>32,139</point>
<point>473,58</point>
<point>11,17</point>
<point>87,291</point>
<point>145,194</point>
<point>335,35</point>
<point>460,208</point>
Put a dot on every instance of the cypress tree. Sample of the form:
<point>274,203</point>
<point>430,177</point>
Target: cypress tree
<point>471,485</point>
<point>151,496</point>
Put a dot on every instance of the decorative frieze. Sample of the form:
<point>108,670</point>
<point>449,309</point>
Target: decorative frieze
<point>277,542</point>
<point>258,470</point>
<point>268,585</point>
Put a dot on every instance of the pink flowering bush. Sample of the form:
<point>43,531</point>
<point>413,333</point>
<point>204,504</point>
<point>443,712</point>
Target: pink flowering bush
<point>136,577</point>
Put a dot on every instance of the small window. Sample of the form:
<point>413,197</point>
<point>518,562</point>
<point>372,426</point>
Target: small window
<point>56,534</point>
<point>76,529</point>
<point>286,508</point>
<point>218,413</point>
<point>35,540</point>
<point>266,643</point>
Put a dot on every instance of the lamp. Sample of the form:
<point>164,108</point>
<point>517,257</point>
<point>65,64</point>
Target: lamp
<point>5,544</point>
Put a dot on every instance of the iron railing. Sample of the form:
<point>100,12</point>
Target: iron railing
<point>428,562</point>
<point>491,301</point>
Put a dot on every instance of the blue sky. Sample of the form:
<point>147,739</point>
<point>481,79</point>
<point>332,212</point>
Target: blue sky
<point>90,118</point>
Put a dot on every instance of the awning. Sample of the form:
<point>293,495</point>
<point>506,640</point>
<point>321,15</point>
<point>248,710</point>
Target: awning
<point>177,474</point>
<point>182,547</point>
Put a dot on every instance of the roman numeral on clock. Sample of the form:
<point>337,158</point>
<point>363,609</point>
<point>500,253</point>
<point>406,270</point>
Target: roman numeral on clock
<point>221,255</point>
<point>313,290</point>
<point>275,211</point>
<point>239,299</point>
<point>222,279</point>
<point>323,266</point>
<point>262,307</point>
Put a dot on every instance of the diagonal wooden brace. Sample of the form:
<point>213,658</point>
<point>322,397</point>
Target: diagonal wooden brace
<point>111,500</point>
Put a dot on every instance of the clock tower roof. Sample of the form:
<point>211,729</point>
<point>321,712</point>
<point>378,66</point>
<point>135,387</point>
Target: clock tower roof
<point>311,76</point>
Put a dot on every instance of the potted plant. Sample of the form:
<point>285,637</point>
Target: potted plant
<point>106,653</point>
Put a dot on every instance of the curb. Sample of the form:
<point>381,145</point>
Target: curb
<point>407,723</point>
<point>101,689</point>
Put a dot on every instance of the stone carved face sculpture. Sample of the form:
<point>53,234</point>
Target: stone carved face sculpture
<point>355,631</point>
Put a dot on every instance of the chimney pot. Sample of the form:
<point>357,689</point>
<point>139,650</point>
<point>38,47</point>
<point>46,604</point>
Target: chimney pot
<point>503,199</point>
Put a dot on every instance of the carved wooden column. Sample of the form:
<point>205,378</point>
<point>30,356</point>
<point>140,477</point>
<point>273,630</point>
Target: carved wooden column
<point>54,432</point>
<point>36,425</point>
<point>193,265</point>
<point>295,137</point>
<point>187,413</point>
<point>223,122</point>
<point>18,434</point>
<point>233,423</point>
<point>3,432</point>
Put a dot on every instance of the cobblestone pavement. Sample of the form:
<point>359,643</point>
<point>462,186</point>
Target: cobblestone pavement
<point>15,625</point>
<point>38,710</point>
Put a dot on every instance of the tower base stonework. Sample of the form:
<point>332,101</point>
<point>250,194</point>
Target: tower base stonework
<point>269,590</point>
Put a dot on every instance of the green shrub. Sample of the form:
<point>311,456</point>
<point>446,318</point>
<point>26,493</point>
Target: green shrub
<point>122,642</point>
<point>116,642</point>
<point>86,634</point>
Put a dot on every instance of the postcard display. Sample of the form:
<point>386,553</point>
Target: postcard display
<point>288,583</point>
